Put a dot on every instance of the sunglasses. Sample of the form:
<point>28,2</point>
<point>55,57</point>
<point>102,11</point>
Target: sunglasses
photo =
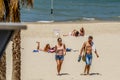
<point>59,40</point>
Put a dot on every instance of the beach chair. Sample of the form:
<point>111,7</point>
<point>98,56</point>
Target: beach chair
<point>56,32</point>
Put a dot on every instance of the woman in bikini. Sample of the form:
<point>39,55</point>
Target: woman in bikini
<point>49,49</point>
<point>60,53</point>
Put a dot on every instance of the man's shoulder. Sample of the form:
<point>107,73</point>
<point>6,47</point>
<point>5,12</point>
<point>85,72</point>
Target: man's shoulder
<point>85,42</point>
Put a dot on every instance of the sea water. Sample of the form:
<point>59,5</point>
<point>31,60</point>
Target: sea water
<point>72,10</point>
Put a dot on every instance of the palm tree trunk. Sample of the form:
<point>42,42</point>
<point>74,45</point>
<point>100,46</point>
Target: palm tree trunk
<point>7,11</point>
<point>2,10</point>
<point>3,67</point>
<point>10,12</point>
<point>15,17</point>
<point>16,72</point>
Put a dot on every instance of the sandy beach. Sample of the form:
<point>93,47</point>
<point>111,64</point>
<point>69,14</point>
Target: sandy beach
<point>42,66</point>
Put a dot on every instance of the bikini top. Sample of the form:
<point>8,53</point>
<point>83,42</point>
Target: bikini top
<point>60,49</point>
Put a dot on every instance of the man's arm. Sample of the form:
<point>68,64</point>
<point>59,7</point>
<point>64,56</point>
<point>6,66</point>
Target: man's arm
<point>96,53</point>
<point>83,47</point>
<point>64,49</point>
<point>94,49</point>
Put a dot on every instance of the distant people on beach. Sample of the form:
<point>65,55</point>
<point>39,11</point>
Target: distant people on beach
<point>60,50</point>
<point>38,45</point>
<point>76,33</point>
<point>87,48</point>
<point>47,48</point>
<point>82,32</point>
<point>73,32</point>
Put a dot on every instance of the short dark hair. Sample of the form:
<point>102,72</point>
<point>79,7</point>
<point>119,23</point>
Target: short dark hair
<point>76,33</point>
<point>90,37</point>
<point>59,39</point>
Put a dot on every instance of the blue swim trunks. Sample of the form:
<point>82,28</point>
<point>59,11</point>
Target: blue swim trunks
<point>59,57</point>
<point>88,58</point>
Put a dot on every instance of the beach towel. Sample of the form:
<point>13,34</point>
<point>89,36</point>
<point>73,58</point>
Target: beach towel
<point>51,51</point>
<point>35,50</point>
<point>68,50</point>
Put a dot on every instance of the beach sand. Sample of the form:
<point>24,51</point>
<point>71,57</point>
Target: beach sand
<point>42,66</point>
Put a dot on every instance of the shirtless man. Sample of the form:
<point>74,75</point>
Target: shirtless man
<point>88,47</point>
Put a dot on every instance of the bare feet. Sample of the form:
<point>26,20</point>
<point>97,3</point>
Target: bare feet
<point>58,74</point>
<point>84,74</point>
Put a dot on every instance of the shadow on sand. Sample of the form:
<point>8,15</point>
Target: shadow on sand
<point>92,74</point>
<point>62,74</point>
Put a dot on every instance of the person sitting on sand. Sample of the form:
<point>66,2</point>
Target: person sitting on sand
<point>82,32</point>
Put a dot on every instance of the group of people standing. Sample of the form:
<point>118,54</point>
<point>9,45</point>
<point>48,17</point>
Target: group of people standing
<point>87,48</point>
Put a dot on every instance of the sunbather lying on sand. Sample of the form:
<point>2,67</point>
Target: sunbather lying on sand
<point>76,33</point>
<point>47,48</point>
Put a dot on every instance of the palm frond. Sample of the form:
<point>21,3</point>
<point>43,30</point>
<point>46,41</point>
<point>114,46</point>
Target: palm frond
<point>14,11</point>
<point>7,10</point>
<point>2,10</point>
<point>28,3</point>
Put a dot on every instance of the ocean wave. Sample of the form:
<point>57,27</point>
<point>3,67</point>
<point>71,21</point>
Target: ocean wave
<point>118,16</point>
<point>88,19</point>
<point>46,21</point>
